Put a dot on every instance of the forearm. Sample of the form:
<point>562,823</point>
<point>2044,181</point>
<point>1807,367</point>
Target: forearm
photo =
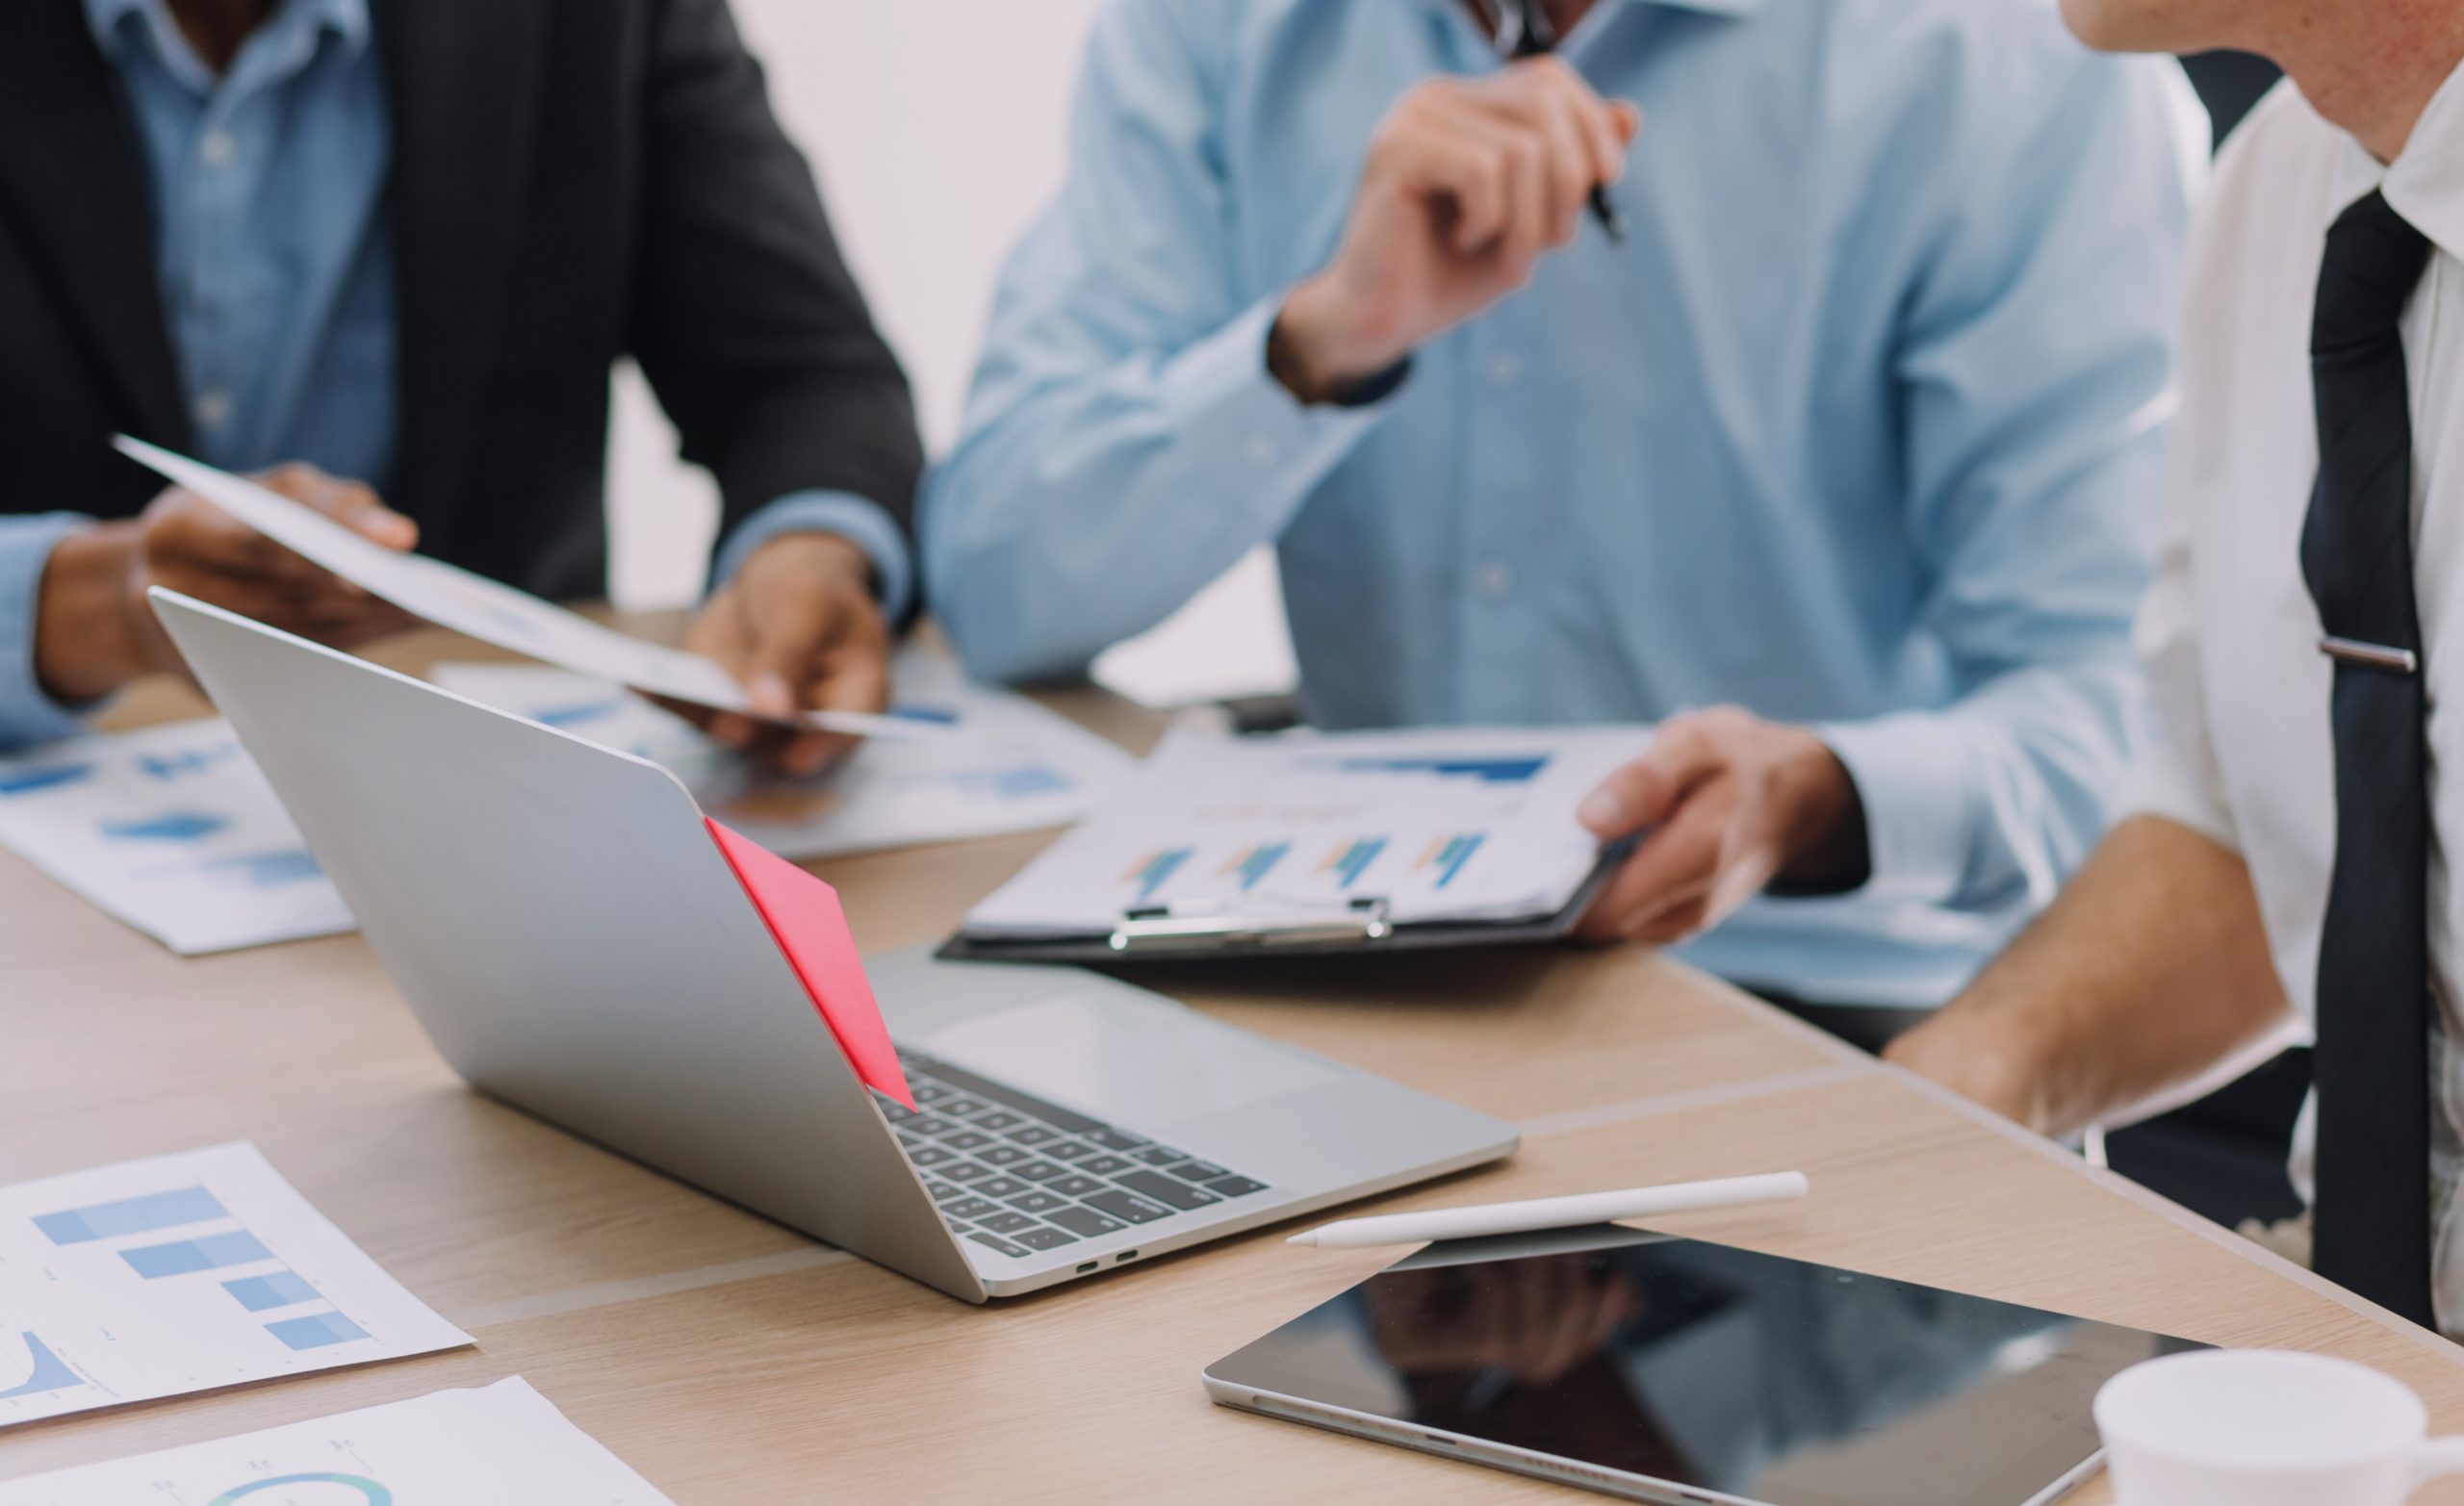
<point>2151,968</point>
<point>1083,507</point>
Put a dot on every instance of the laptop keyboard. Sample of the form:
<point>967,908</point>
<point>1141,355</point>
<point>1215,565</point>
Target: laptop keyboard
<point>1021,1176</point>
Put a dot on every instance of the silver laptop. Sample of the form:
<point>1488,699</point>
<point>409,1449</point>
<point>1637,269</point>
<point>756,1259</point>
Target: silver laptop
<point>571,939</point>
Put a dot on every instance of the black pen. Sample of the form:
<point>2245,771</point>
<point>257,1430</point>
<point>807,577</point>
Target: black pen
<point>1535,38</point>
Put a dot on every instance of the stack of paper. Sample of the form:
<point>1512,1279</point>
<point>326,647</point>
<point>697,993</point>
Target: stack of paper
<point>1007,765</point>
<point>184,1273</point>
<point>504,1445</point>
<point>1445,825</point>
<point>173,831</point>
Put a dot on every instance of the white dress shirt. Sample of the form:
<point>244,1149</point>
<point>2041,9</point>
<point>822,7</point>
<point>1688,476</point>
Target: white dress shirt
<point>2245,752</point>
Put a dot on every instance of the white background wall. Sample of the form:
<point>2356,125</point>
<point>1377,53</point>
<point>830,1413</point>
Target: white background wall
<point>936,128</point>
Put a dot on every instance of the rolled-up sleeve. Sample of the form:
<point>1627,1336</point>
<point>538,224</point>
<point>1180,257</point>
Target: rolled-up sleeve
<point>27,715</point>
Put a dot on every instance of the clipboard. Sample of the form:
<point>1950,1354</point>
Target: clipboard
<point>1360,928</point>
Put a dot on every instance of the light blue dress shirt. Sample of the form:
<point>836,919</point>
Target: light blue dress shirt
<point>275,250</point>
<point>1861,429</point>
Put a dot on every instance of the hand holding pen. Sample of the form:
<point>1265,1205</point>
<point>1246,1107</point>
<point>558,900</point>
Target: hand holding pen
<point>1469,182</point>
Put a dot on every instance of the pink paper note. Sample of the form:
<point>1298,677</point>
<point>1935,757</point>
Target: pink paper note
<point>803,914</point>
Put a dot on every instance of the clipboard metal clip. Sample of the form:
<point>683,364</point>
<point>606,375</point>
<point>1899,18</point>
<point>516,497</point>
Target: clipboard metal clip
<point>1213,928</point>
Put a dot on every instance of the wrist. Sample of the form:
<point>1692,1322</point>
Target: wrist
<point>88,640</point>
<point>831,556</point>
<point>1320,351</point>
<point>1827,850</point>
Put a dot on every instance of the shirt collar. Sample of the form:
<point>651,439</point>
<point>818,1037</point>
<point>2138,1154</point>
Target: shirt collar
<point>1708,7</point>
<point>346,19</point>
<point>2425,182</point>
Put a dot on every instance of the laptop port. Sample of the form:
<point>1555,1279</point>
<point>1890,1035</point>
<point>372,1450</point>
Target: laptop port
<point>1125,1255</point>
<point>1090,1265</point>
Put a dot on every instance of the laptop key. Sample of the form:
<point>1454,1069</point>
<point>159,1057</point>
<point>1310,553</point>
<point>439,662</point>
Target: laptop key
<point>1038,1202</point>
<point>1062,1150</point>
<point>1166,1190</point>
<point>1159,1156</point>
<point>1001,1187</point>
<point>1105,1165</point>
<point>968,1140</point>
<point>1086,1221</point>
<point>1032,1135</point>
<point>1035,1170</point>
<point>943,1193</point>
<point>970,1208</point>
<point>1110,1138</point>
<point>1006,1223</point>
<point>961,1171</point>
<point>994,1242</point>
<point>1197,1171</point>
<point>1074,1185</point>
<point>1003,1120</point>
<point>1128,1206</point>
<point>927,1124</point>
<point>961,1107</point>
<point>1047,1238</point>
<point>928,1095</point>
<point>1235,1186</point>
<point>931,1156</point>
<point>897,1113</point>
<point>1001,1156</point>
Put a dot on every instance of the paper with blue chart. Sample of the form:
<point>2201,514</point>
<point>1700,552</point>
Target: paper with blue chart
<point>173,831</point>
<point>1009,764</point>
<point>184,1273</point>
<point>1455,824</point>
<point>498,1445</point>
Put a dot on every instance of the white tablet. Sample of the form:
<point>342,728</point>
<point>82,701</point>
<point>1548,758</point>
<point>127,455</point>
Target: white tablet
<point>1675,1371</point>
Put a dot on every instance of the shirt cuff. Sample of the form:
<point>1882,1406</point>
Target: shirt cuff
<point>1915,779</point>
<point>861,520</point>
<point>27,715</point>
<point>1219,390</point>
<point>2161,784</point>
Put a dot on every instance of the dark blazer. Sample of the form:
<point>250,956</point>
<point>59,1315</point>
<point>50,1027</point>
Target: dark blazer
<point>573,180</point>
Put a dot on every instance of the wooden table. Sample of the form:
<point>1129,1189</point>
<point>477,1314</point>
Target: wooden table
<point>731,1360</point>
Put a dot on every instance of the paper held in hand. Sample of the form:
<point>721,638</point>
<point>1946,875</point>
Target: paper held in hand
<point>484,609</point>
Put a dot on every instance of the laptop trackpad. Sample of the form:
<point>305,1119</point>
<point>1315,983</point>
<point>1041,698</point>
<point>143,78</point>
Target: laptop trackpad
<point>1124,1060</point>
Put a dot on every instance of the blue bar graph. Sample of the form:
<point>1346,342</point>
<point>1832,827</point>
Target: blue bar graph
<point>208,1252</point>
<point>131,1215</point>
<point>315,1331</point>
<point>49,1373</point>
<point>280,1290</point>
<point>1455,855</point>
<point>1257,862</point>
<point>193,760</point>
<point>917,711</point>
<point>1512,769</point>
<point>268,869</point>
<point>177,826</point>
<point>1157,870</point>
<point>25,781</point>
<point>1356,858</point>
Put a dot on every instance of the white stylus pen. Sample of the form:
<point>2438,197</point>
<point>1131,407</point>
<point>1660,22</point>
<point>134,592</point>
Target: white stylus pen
<point>1555,1212</point>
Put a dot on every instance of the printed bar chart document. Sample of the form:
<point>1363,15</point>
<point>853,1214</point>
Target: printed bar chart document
<point>1453,827</point>
<point>173,831</point>
<point>1008,765</point>
<point>452,597</point>
<point>502,1445</point>
<point>184,1273</point>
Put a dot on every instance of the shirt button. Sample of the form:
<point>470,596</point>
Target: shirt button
<point>1493,580</point>
<point>1260,449</point>
<point>217,148</point>
<point>1505,368</point>
<point>213,408</point>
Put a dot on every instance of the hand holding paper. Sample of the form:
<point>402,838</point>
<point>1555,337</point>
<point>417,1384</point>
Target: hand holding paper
<point>481,608</point>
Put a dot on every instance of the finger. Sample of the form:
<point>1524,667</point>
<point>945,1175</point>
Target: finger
<point>187,531</point>
<point>1573,166</point>
<point>1643,792</point>
<point>1676,922</point>
<point>1678,861</point>
<point>358,507</point>
<point>1465,163</point>
<point>719,634</point>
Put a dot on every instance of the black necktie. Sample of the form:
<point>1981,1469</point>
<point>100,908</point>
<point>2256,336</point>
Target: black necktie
<point>2374,1073</point>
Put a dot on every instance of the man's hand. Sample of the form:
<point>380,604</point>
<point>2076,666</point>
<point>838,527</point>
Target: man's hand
<point>1726,802</point>
<point>94,632</point>
<point>1469,182</point>
<point>799,627</point>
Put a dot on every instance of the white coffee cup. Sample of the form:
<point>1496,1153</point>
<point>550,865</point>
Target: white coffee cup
<point>2263,1428</point>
